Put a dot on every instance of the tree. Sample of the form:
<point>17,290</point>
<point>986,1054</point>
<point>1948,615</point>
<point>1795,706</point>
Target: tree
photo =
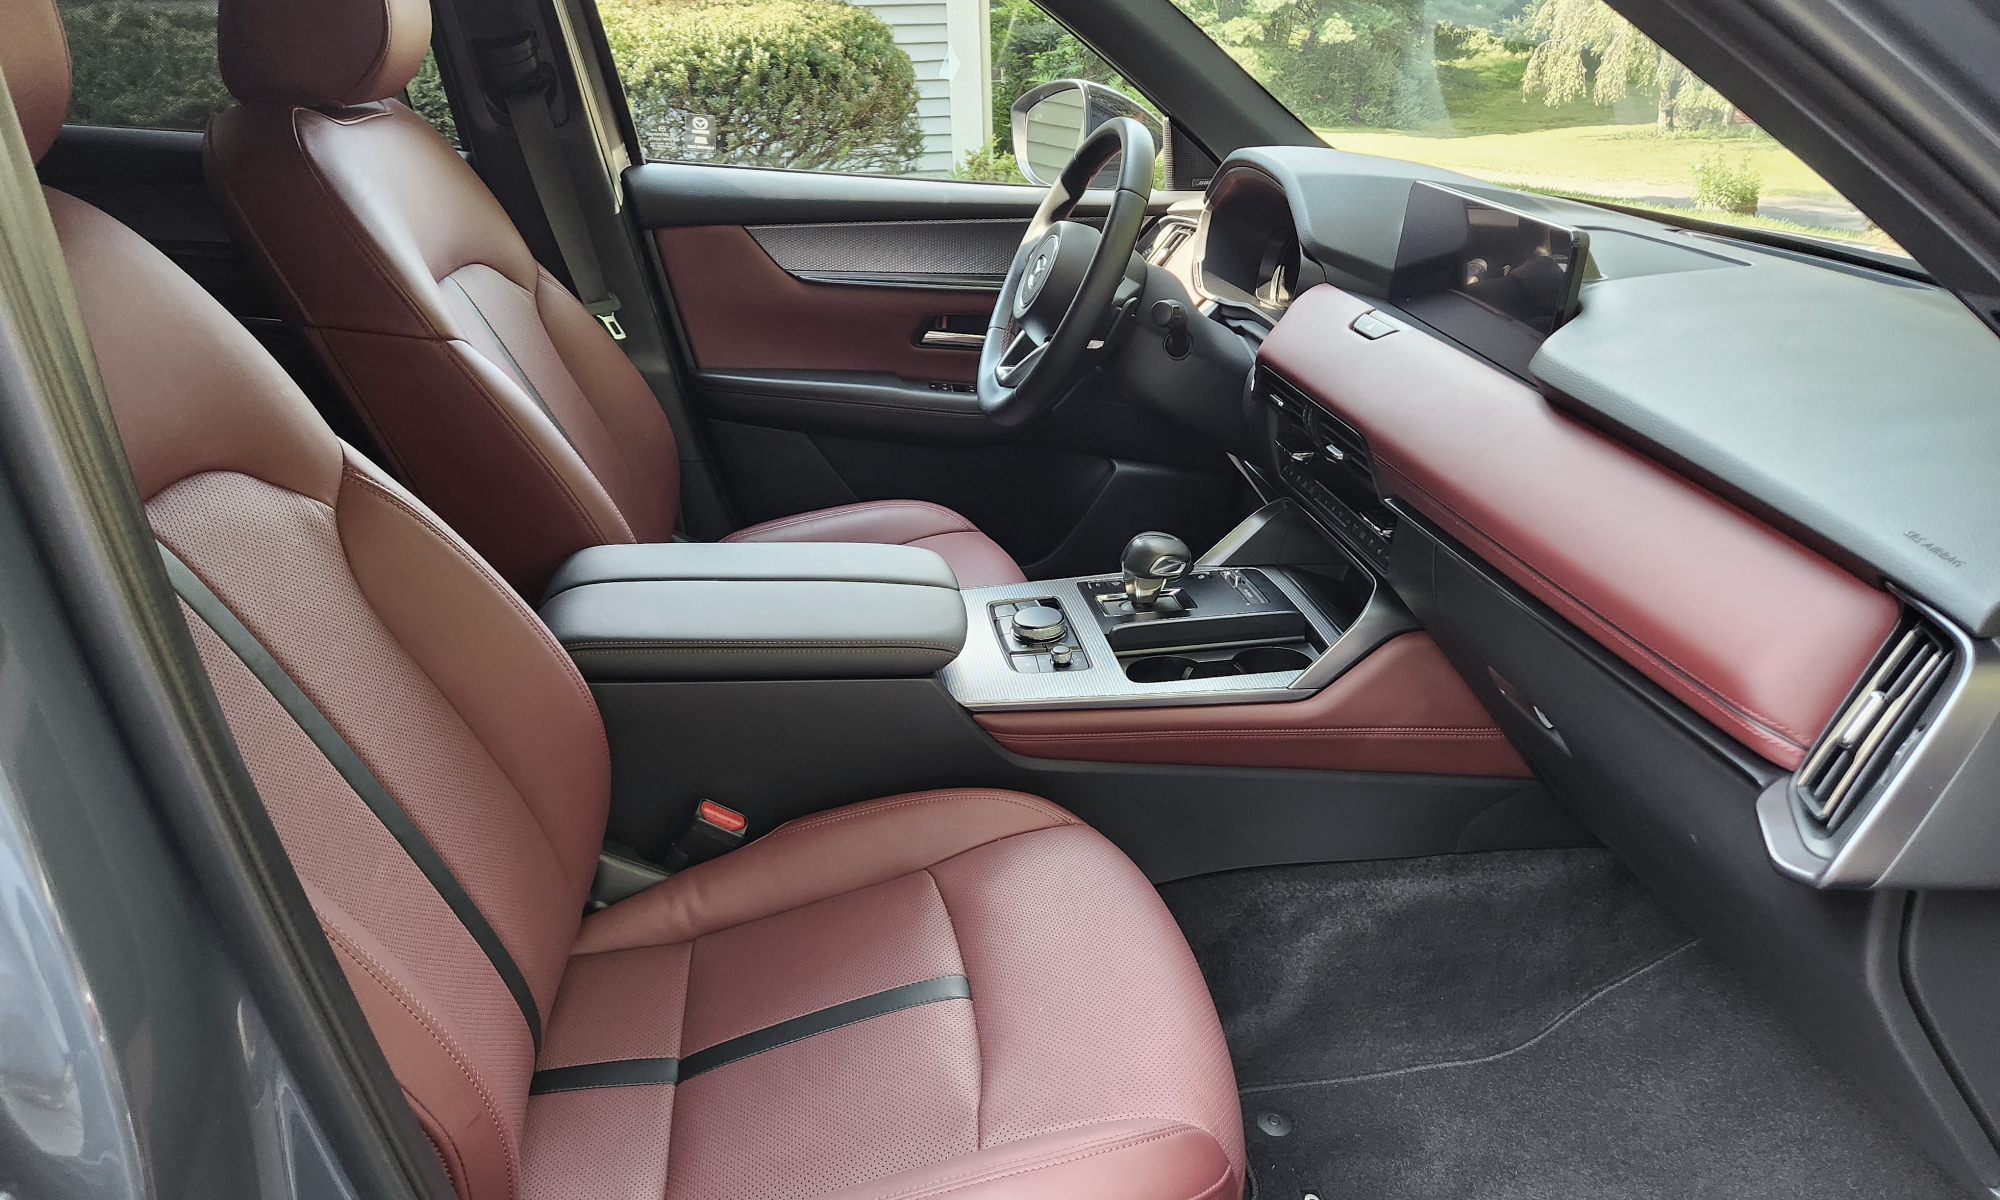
<point>1334,62</point>
<point>1583,48</point>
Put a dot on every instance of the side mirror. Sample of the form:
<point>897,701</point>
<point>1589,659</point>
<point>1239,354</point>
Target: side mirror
<point>1052,120</point>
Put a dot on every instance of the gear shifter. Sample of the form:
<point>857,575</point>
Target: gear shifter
<point>1150,561</point>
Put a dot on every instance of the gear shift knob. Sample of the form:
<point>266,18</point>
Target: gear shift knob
<point>1149,561</point>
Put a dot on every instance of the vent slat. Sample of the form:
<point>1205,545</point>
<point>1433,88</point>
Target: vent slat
<point>1872,727</point>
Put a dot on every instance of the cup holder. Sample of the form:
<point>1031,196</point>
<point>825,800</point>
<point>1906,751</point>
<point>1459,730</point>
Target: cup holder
<point>1259,659</point>
<point>1161,668</point>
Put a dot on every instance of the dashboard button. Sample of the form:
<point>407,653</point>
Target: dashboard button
<point>1371,326</point>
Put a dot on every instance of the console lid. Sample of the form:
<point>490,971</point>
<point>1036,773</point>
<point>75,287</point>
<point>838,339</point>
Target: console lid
<point>817,610</point>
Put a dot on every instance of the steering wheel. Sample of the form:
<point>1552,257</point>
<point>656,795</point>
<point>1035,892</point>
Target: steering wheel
<point>1064,279</point>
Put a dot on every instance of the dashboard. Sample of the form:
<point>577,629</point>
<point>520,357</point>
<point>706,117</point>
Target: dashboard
<point>1744,472</point>
<point>1715,547</point>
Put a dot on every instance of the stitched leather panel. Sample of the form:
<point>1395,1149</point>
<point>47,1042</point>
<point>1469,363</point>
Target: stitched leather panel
<point>1749,628</point>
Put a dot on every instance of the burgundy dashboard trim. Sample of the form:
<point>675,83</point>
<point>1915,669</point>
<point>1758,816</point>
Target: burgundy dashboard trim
<point>1751,629</point>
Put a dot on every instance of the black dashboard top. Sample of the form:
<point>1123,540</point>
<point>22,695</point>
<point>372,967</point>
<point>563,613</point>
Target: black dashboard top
<point>1856,407</point>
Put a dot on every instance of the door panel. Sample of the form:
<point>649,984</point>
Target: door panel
<point>804,298</point>
<point>742,311</point>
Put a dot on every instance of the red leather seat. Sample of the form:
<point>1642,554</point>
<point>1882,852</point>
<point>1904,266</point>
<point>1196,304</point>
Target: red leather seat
<point>487,386</point>
<point>955,993</point>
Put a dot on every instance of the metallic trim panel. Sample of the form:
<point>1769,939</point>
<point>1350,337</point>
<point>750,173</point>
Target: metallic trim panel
<point>980,678</point>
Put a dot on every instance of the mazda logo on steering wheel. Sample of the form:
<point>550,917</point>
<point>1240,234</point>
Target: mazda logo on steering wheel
<point>1037,271</point>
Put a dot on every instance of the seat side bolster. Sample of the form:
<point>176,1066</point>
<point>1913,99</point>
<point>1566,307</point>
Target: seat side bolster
<point>816,857</point>
<point>493,659</point>
<point>1124,1160</point>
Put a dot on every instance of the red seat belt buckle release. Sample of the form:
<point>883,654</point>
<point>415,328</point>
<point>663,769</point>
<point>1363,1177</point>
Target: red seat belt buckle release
<point>713,830</point>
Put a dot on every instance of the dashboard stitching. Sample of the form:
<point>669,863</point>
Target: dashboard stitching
<point>1762,725</point>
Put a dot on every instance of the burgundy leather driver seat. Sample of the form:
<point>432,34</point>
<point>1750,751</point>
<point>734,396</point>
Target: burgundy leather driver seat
<point>963,993</point>
<point>487,386</point>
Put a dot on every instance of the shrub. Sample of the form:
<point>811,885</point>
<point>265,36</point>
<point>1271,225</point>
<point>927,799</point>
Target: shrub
<point>146,65</point>
<point>809,84</point>
<point>1727,186</point>
<point>428,100</point>
<point>990,165</point>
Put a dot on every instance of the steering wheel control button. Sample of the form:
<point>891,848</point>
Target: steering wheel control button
<point>1371,325</point>
<point>1039,624</point>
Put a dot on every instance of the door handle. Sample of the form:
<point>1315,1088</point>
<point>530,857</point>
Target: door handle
<point>945,339</point>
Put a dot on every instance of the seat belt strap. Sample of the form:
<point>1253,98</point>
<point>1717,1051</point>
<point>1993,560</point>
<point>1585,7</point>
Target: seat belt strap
<point>535,129</point>
<point>341,756</point>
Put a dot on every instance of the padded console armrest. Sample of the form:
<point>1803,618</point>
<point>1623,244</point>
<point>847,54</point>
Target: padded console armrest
<point>814,611</point>
<point>847,562</point>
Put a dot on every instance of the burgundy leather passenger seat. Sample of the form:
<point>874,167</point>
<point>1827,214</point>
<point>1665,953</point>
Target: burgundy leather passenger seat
<point>487,386</point>
<point>1045,1030</point>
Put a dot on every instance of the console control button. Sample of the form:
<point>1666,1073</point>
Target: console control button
<point>1039,623</point>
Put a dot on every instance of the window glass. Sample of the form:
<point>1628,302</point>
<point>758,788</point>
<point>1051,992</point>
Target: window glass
<point>151,64</point>
<point>1560,96</point>
<point>147,63</point>
<point>902,88</point>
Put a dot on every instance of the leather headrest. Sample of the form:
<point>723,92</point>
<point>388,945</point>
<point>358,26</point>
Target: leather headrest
<point>35,56</point>
<point>321,53</point>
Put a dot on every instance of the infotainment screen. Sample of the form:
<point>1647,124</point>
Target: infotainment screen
<point>1470,268</point>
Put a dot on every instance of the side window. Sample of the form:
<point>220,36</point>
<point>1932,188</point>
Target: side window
<point>143,63</point>
<point>151,64</point>
<point>887,88</point>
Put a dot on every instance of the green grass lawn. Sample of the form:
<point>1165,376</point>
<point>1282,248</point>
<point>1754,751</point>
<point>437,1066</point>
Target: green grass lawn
<point>1610,152</point>
<point>1632,158</point>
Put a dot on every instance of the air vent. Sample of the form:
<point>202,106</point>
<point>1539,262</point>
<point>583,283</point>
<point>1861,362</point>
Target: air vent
<point>1878,725</point>
<point>1175,236</point>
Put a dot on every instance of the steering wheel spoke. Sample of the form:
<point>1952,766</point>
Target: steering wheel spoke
<point>1023,352</point>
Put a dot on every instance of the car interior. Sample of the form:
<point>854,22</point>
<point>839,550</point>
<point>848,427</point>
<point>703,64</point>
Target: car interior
<point>1230,669</point>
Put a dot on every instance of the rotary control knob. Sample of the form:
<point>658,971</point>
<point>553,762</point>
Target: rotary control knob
<point>1039,623</point>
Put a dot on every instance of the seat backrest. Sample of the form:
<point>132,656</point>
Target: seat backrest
<point>444,683</point>
<point>487,386</point>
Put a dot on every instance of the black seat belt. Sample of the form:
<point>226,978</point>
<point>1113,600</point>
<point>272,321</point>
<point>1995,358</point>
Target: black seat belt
<point>514,71</point>
<point>292,698</point>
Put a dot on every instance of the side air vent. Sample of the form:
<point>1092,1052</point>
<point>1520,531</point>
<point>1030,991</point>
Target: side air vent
<point>1878,725</point>
<point>1175,235</point>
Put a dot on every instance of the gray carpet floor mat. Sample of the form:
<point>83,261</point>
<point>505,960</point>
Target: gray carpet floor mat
<point>1515,1026</point>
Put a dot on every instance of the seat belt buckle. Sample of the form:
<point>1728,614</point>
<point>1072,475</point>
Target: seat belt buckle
<point>606,312</point>
<point>714,830</point>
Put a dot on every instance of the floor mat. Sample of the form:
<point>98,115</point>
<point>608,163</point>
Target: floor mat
<point>1515,1026</point>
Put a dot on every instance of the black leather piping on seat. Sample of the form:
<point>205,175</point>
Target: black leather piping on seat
<point>639,1072</point>
<point>286,691</point>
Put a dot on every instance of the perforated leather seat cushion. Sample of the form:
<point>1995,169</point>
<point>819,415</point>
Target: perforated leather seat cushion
<point>1088,1031</point>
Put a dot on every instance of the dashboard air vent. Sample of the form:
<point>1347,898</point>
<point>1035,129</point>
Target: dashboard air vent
<point>1877,725</point>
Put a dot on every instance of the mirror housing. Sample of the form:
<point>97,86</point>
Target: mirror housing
<point>1050,122</point>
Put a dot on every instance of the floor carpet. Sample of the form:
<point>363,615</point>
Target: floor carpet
<point>1515,1026</point>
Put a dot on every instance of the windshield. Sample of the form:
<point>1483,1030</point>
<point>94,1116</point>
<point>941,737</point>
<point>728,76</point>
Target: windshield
<point>1559,96</point>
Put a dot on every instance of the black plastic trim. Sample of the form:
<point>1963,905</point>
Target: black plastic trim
<point>619,1072</point>
<point>855,403</point>
<point>679,193</point>
<point>313,723</point>
<point>852,1012</point>
<point>641,1072</point>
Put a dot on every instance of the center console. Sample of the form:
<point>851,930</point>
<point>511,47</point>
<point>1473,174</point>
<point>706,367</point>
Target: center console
<point>773,680</point>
